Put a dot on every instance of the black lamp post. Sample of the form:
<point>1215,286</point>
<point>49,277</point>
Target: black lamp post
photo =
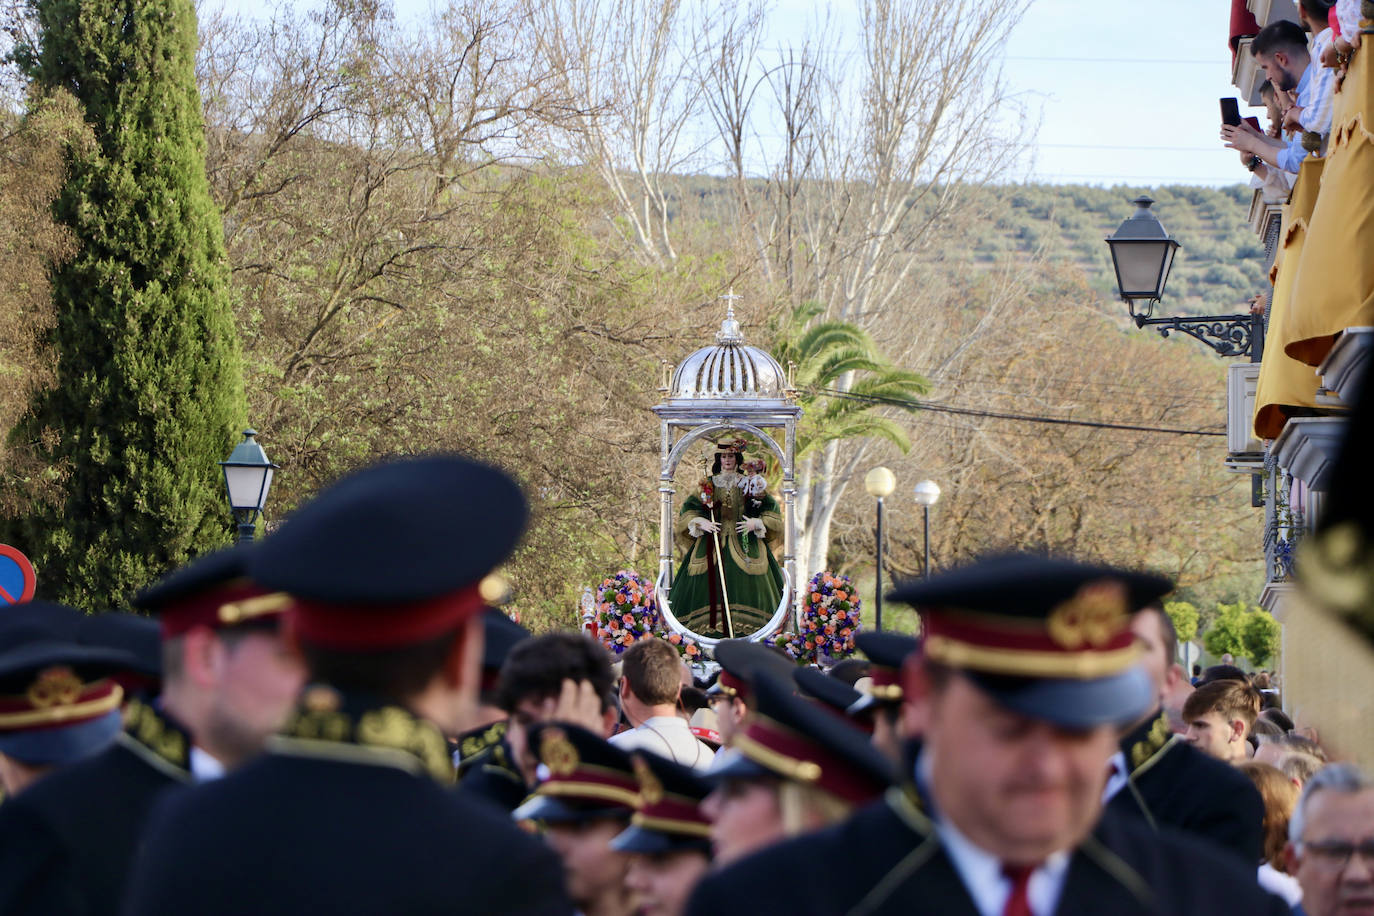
<point>927,494</point>
<point>879,483</point>
<point>247,478</point>
<point>1142,254</point>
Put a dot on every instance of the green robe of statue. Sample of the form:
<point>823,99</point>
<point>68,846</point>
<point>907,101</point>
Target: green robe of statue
<point>753,578</point>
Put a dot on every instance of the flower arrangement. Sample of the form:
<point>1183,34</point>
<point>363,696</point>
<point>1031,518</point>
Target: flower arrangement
<point>626,611</point>
<point>706,492</point>
<point>686,646</point>
<point>829,620</point>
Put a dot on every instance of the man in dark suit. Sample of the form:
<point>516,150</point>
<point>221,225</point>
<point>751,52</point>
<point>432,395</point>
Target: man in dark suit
<point>351,809</point>
<point>1026,672</point>
<point>1165,781</point>
<point>66,845</point>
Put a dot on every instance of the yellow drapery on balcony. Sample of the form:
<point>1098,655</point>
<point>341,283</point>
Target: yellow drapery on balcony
<point>1334,286</point>
<point>1285,382</point>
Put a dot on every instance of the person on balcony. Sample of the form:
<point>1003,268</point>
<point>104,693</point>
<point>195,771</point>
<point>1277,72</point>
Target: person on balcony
<point>1317,116</point>
<point>728,559</point>
<point>1281,50</point>
<point>1274,183</point>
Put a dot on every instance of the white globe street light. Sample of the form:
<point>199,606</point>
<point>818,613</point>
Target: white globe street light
<point>879,482</point>
<point>927,494</point>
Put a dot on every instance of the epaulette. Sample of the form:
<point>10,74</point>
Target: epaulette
<point>1152,743</point>
<point>327,724</point>
<point>156,739</point>
<point>475,743</point>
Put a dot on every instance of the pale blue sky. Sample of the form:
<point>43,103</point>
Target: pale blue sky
<point>1126,91</point>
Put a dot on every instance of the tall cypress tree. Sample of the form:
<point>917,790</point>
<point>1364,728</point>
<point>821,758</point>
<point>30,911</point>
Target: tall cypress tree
<point>149,384</point>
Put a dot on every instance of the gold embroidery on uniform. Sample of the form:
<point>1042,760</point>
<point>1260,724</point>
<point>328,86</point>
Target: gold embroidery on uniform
<point>1158,736</point>
<point>1091,617</point>
<point>319,698</point>
<point>558,753</point>
<point>149,729</point>
<point>473,745</point>
<point>393,727</point>
<point>324,725</point>
<point>386,727</point>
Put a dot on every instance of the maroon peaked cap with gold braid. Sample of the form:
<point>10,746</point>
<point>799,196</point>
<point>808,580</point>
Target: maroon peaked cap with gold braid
<point>1049,638</point>
<point>582,777</point>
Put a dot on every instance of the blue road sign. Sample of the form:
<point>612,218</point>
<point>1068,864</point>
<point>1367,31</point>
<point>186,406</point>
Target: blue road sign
<point>17,580</point>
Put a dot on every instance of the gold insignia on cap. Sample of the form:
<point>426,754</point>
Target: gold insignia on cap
<point>1091,617</point>
<point>494,589</point>
<point>558,753</point>
<point>650,789</point>
<point>55,686</point>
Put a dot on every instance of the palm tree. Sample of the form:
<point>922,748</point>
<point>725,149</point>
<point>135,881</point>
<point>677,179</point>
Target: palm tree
<point>848,390</point>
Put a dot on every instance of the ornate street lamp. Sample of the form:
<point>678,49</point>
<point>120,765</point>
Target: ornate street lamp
<point>1142,254</point>
<point>879,483</point>
<point>927,494</point>
<point>247,478</point>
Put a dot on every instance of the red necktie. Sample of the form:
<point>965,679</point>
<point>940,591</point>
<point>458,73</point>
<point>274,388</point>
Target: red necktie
<point>1018,901</point>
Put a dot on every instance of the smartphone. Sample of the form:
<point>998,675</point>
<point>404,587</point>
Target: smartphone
<point>1230,112</point>
<point>1254,122</point>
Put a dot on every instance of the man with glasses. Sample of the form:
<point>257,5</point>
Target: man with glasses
<point>1331,842</point>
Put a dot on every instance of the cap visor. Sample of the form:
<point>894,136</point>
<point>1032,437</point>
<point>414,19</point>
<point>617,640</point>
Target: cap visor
<point>556,811</point>
<point>729,763</point>
<point>1071,703</point>
<point>66,744</point>
<point>653,842</point>
<point>861,705</point>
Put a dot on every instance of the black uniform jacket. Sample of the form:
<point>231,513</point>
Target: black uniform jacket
<point>348,813</point>
<point>1173,784</point>
<point>66,843</point>
<point>485,770</point>
<point>894,863</point>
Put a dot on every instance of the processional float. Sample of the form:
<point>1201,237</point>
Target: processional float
<point>728,387</point>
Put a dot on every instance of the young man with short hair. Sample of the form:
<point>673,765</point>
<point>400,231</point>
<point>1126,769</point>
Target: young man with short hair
<point>650,684</point>
<point>1219,716</point>
<point>1281,50</point>
<point>1161,779</point>
<point>558,676</point>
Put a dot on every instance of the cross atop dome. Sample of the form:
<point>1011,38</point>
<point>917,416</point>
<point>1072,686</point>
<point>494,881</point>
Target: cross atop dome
<point>729,328</point>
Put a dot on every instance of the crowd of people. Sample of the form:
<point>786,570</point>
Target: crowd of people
<point>322,723</point>
<point>1303,62</point>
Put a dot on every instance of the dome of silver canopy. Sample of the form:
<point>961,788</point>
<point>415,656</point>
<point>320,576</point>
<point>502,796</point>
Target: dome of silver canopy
<point>730,370</point>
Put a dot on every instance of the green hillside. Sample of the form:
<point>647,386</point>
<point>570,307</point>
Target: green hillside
<point>1219,266</point>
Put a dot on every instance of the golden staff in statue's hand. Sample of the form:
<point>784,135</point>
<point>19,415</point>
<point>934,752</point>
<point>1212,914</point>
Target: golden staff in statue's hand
<point>720,569</point>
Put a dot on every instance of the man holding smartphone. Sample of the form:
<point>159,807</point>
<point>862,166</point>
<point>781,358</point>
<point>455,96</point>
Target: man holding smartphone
<point>1281,50</point>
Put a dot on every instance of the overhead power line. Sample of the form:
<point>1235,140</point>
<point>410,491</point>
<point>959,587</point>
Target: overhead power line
<point>1018,417</point>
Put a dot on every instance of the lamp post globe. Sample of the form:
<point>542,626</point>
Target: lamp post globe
<point>247,480</point>
<point>879,482</point>
<point>927,493</point>
<point>1142,253</point>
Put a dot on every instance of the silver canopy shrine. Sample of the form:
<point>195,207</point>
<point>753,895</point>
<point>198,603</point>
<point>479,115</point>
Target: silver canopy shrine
<point>727,404</point>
